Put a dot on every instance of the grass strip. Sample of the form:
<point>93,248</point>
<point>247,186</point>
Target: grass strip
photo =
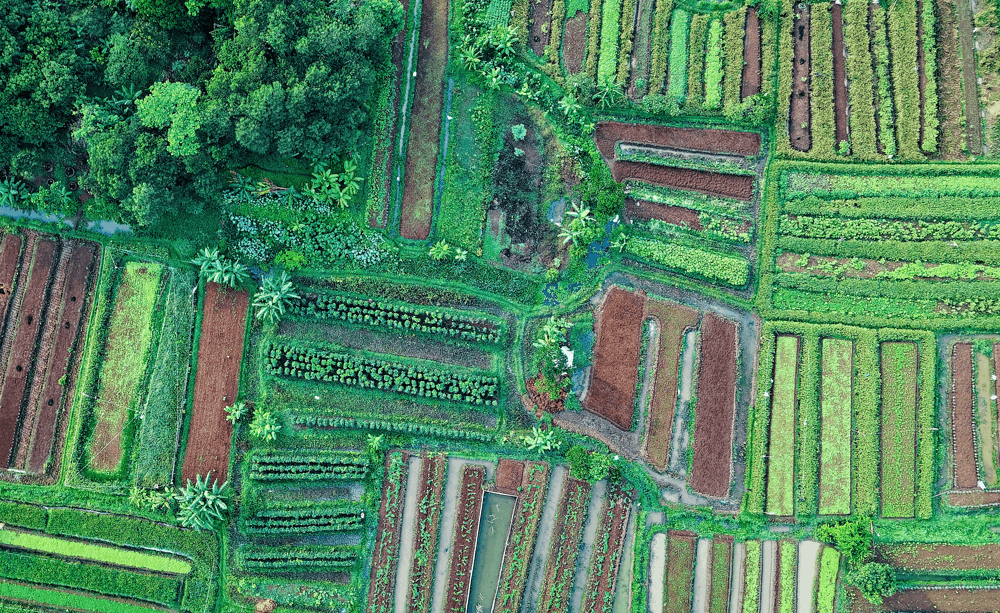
<point>94,553</point>
<point>781,452</point>
<point>835,407</point>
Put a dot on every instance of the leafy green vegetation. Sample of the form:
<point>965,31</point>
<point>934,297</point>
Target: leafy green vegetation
<point>93,553</point>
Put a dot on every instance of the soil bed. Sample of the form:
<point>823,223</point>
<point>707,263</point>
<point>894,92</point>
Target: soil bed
<point>616,357</point>
<point>713,416</point>
<point>216,382</point>
<point>508,477</point>
<point>10,256</point>
<point>680,572</point>
<point>953,600</point>
<point>798,120</point>
<point>425,540</point>
<point>603,572</point>
<point>523,532</point>
<point>750,85</point>
<point>840,73</point>
<point>677,215</point>
<point>384,552</point>
<point>973,498</point>
<point>561,565</point>
<point>463,549</point>
<point>943,556</point>
<point>574,42</point>
<point>703,181</point>
<point>973,122</point>
<point>952,129</point>
<point>540,27</point>
<point>610,133</point>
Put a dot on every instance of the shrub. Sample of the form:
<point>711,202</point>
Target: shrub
<point>875,581</point>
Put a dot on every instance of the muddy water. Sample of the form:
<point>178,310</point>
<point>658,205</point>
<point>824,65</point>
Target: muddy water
<point>702,572</point>
<point>406,543</point>
<point>680,442</point>
<point>806,575</point>
<point>768,575</point>
<point>623,590</point>
<point>494,530</point>
<point>545,528</point>
<point>595,514</point>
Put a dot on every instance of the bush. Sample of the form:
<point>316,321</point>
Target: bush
<point>875,581</point>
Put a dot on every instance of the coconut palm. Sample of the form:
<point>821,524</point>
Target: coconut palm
<point>275,293</point>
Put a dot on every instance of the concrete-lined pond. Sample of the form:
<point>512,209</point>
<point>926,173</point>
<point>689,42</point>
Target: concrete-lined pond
<point>494,529</point>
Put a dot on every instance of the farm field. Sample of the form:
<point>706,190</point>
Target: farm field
<point>616,356</point>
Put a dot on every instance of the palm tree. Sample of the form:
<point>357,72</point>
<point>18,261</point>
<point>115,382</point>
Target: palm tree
<point>275,293</point>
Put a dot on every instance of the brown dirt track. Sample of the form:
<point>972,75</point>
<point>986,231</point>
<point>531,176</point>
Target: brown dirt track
<point>616,357</point>
<point>216,382</point>
<point>608,133</point>
<point>386,546</point>
<point>508,476</point>
<point>674,321</point>
<point>840,72</point>
<point>963,445</point>
<point>23,334</point>
<point>463,549</point>
<point>942,556</point>
<point>575,42</point>
<point>715,407</point>
<point>417,208</point>
<point>677,215</point>
<point>720,184</point>
<point>751,55</point>
<point>601,580</point>
<point>798,121</point>
<point>432,475</point>
<point>945,600</point>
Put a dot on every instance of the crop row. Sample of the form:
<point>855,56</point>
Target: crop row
<point>60,600</point>
<point>837,228</point>
<point>296,558</point>
<point>710,265</point>
<point>875,181</point>
<point>336,423</point>
<point>679,588</point>
<point>307,464</point>
<point>864,145</point>
<point>383,313</point>
<point>781,450</point>
<point>836,384</point>
<point>524,529</point>
<point>751,592</point>
<point>313,518</point>
<point>385,554</point>
<point>786,585</point>
<point>606,554</point>
<point>470,503</point>
<point>93,553</point>
<point>333,367</point>
<point>933,208</point>
<point>826,592</point>
<point>565,547</point>
<point>427,524</point>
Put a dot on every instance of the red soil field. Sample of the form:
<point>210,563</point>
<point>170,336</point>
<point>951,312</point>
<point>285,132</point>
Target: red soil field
<point>521,544</point>
<point>953,600</point>
<point>963,441</point>
<point>681,547</point>
<point>463,549</point>
<point>508,477</point>
<point>603,572</point>
<point>677,215</point>
<point>431,488</point>
<point>380,588</point>
<point>417,207</point>
<point>798,120</point>
<point>23,333</point>
<point>68,313</point>
<point>674,321</point>
<point>616,357</point>
<point>713,412</point>
<point>703,181</point>
<point>10,257</point>
<point>941,556</point>
<point>565,548</point>
<point>609,133</point>
<point>216,382</point>
<point>973,498</point>
<point>751,55</point>
<point>840,72</point>
<point>540,27</point>
<point>575,42</point>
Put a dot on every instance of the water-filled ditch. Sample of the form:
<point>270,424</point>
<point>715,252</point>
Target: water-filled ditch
<point>494,529</point>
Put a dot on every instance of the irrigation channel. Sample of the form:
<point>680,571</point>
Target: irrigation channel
<point>406,543</point>
<point>701,571</point>
<point>494,530</point>
<point>623,591</point>
<point>657,567</point>
<point>806,570</point>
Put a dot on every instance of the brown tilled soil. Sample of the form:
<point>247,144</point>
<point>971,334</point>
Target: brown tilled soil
<point>608,133</point>
<point>798,120</point>
<point>59,376</point>
<point>840,73</point>
<point>603,573</point>
<point>750,85</point>
<point>380,589</point>
<point>521,543</point>
<point>216,382</point>
<point>542,401</point>
<point>963,445</point>
<point>417,208</point>
<point>973,498</point>
<point>951,130</point>
<point>973,122</point>
<point>674,321</point>
<point>713,412</point>
<point>10,257</point>
<point>508,476</point>
<point>428,521</point>
<point>708,182</point>
<point>565,547</point>
<point>575,42</point>
<point>539,30</point>
<point>616,357</point>
<point>677,215</point>
<point>24,334</point>
<point>949,600</point>
<point>939,556</point>
<point>463,549</point>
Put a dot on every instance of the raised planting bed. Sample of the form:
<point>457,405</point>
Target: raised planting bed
<point>781,450</point>
<point>944,600</point>
<point>898,428</point>
<point>676,215</point>
<point>706,140</point>
<point>385,553</point>
<point>784,601</point>
<point>430,494</point>
<point>539,29</point>
<point>616,357</point>
<point>463,549</point>
<point>524,530</point>
<point>708,182</point>
<point>836,393</point>
<point>972,498</point>
<point>306,518</point>
<point>986,421</point>
<point>751,578</point>
<point>10,264</point>
<point>715,408</point>
<point>722,557</point>
<point>417,208</point>
<point>307,465</point>
<point>297,559</point>
<point>509,476</point>
<point>729,268</point>
<point>602,576</point>
<point>574,43</point>
<point>945,557</point>
<point>674,320</point>
<point>839,74</point>
<point>36,597</point>
<point>102,554</point>
<point>216,383</point>
<point>798,119</point>
<point>826,588</point>
<point>560,568</point>
<point>750,84</point>
<point>681,550</point>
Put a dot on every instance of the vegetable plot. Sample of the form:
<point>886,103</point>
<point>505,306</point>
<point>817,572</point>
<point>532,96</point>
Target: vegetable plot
<point>781,453</point>
<point>836,409</point>
<point>898,432</point>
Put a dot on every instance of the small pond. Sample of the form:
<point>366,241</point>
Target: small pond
<point>494,528</point>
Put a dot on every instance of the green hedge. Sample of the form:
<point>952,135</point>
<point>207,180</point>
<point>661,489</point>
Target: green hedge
<point>677,66</point>
<point>660,46</point>
<point>902,21</point>
<point>862,79</point>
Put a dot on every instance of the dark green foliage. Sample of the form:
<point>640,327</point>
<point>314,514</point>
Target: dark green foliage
<point>306,518</point>
<point>306,464</point>
<point>23,515</point>
<point>852,538</point>
<point>579,462</point>
<point>875,581</point>
<point>296,559</point>
<point>337,423</point>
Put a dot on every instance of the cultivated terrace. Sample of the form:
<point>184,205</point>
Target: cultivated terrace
<point>499,306</point>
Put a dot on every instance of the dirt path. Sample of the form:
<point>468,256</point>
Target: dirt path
<point>840,73</point>
<point>806,575</point>
<point>406,543</point>
<point>738,578</point>
<point>595,514</point>
<point>973,121</point>
<point>623,590</point>
<point>768,575</point>
<point>657,567</point>
<point>544,540</point>
<point>702,576</point>
<point>681,441</point>
<point>451,489</point>
<point>798,121</point>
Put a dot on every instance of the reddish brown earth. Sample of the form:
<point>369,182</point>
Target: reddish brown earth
<point>963,445</point>
<point>953,600</point>
<point>798,120</point>
<point>417,208</point>
<point>69,312</point>
<point>10,257</point>
<point>703,181</point>
<point>951,131</point>
<point>840,72</point>
<point>385,552</point>
<point>677,215</point>
<point>539,30</point>
<point>679,541</point>
<point>508,477</point>
<point>24,333</point>
<point>609,133</point>
<point>216,382</point>
<point>603,572</point>
<point>674,321</point>
<point>616,357</point>
<point>565,548</point>
<point>750,85</point>
<point>575,42</point>
<point>935,556</point>
<point>714,410</point>
<point>463,549</point>
<point>524,528</point>
<point>973,498</point>
<point>429,510</point>
<point>542,401</point>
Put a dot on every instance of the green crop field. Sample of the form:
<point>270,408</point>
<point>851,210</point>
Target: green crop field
<point>835,442</point>
<point>781,452</point>
<point>898,432</point>
<point>94,553</point>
